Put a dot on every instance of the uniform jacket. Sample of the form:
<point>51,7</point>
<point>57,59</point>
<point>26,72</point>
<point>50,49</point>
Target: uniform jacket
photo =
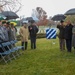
<point>61,31</point>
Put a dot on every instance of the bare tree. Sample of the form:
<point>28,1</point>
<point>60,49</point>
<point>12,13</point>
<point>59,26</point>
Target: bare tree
<point>12,5</point>
<point>41,15</point>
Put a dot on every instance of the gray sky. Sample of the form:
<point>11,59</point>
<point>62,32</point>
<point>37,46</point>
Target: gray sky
<point>52,7</point>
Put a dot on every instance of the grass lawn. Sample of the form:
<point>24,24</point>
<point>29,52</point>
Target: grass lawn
<point>47,59</point>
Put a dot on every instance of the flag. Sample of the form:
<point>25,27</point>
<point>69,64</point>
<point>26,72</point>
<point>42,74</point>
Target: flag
<point>51,33</point>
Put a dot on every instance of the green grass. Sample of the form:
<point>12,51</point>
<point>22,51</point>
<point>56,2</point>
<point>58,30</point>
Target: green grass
<point>47,59</point>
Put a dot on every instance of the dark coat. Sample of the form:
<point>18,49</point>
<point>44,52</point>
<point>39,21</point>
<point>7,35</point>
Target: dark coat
<point>73,36</point>
<point>68,31</point>
<point>33,30</point>
<point>2,37</point>
<point>61,31</point>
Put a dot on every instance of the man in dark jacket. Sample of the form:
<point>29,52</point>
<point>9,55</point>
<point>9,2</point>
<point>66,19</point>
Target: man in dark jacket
<point>61,35</point>
<point>68,36</point>
<point>33,31</point>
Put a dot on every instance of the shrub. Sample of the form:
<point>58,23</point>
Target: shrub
<point>40,35</point>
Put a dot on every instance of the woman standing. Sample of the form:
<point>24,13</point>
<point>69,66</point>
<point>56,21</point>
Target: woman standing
<point>24,35</point>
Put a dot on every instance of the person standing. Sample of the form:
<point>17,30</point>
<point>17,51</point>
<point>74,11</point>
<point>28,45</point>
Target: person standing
<point>33,31</point>
<point>2,36</point>
<point>5,31</point>
<point>24,35</point>
<point>73,37</point>
<point>61,28</point>
<point>10,35</point>
<point>68,36</point>
<point>11,32</point>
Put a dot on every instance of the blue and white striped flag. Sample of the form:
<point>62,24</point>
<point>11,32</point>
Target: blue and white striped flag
<point>51,33</point>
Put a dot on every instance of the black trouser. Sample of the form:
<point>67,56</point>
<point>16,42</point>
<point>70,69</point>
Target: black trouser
<point>33,42</point>
<point>69,44</point>
<point>24,44</point>
<point>62,44</point>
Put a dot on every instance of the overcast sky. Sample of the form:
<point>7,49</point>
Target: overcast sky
<point>52,7</point>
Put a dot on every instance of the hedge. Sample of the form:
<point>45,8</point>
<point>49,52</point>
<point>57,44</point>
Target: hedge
<point>40,35</point>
